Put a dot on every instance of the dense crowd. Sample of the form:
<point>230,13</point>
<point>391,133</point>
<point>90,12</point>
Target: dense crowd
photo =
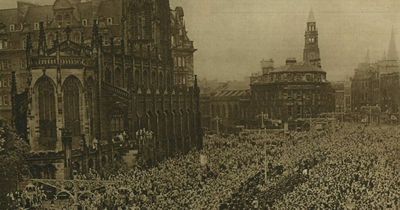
<point>361,172</point>
<point>350,166</point>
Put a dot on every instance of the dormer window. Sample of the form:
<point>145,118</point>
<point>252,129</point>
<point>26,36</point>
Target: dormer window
<point>84,22</point>
<point>12,27</point>
<point>109,21</point>
<point>36,26</point>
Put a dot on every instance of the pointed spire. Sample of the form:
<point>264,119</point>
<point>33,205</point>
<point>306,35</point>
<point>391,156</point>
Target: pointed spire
<point>392,52</point>
<point>311,18</point>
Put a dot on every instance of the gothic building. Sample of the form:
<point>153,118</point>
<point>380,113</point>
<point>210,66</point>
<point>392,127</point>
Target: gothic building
<point>378,83</point>
<point>97,69</point>
<point>295,90</point>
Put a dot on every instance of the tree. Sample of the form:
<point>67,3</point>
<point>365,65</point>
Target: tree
<point>13,165</point>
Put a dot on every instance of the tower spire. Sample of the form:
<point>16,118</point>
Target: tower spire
<point>311,53</point>
<point>311,18</point>
<point>392,51</point>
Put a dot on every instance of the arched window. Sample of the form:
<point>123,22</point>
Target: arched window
<point>161,80</point>
<point>153,78</point>
<point>47,112</point>
<point>136,77</point>
<point>71,105</point>
<point>146,79</point>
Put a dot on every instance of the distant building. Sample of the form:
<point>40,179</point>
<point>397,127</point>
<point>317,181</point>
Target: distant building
<point>225,103</point>
<point>295,90</point>
<point>229,108</point>
<point>342,96</point>
<point>378,84</point>
<point>182,50</point>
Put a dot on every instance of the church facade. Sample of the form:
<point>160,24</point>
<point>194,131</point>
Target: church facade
<point>97,69</point>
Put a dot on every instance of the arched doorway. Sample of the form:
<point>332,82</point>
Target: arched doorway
<point>47,113</point>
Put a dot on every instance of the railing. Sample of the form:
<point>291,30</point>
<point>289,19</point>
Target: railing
<point>115,90</point>
<point>63,61</point>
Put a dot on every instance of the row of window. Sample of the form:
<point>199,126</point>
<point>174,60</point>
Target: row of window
<point>5,64</point>
<point>5,83</point>
<point>180,61</point>
<point>85,22</point>
<point>5,100</point>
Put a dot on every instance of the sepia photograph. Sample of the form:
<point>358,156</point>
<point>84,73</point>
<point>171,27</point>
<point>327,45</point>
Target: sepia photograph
<point>199,104</point>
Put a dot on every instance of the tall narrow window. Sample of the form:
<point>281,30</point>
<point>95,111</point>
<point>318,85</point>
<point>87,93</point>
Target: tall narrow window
<point>71,105</point>
<point>47,112</point>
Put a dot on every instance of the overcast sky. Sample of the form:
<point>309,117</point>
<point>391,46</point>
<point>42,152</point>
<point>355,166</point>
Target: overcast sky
<point>232,36</point>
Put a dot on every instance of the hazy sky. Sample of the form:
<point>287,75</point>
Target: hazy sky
<point>232,36</point>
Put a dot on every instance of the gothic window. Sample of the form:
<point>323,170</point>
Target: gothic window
<point>136,77</point>
<point>145,79</point>
<point>71,105</point>
<point>153,78</point>
<point>161,80</point>
<point>47,111</point>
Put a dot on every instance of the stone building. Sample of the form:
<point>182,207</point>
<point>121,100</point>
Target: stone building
<point>228,109</point>
<point>342,96</point>
<point>182,49</point>
<point>97,69</point>
<point>365,86</point>
<point>225,104</point>
<point>295,90</point>
<point>378,83</point>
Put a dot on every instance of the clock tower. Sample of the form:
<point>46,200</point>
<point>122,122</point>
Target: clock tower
<point>311,50</point>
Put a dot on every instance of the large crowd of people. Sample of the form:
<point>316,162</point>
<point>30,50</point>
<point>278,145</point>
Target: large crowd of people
<point>361,172</point>
<point>351,166</point>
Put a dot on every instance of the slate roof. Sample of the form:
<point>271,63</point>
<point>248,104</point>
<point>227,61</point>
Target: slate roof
<point>232,93</point>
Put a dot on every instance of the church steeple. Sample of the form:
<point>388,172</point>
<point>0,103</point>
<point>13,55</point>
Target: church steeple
<point>311,50</point>
<point>392,51</point>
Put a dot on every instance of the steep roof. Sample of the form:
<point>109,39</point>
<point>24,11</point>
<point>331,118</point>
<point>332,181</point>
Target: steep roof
<point>9,16</point>
<point>62,4</point>
<point>231,93</point>
<point>39,13</point>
